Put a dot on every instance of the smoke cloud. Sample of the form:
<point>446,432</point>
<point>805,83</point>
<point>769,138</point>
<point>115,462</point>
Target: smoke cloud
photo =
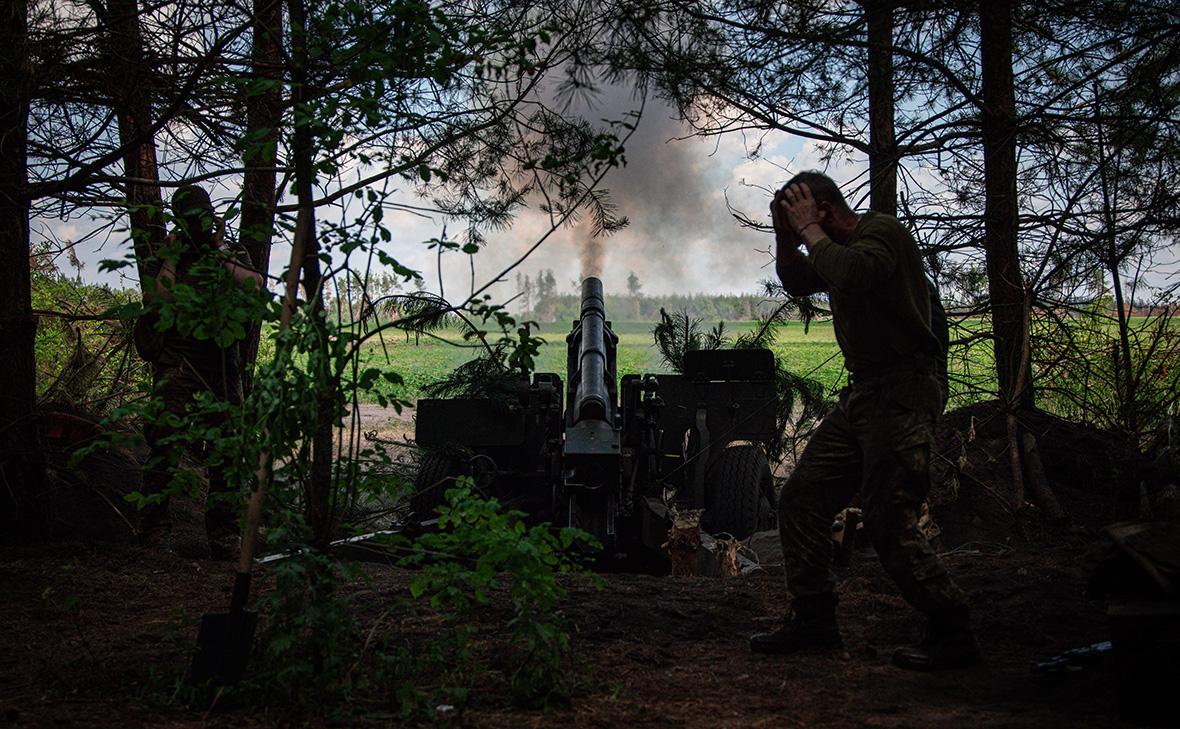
<point>673,190</point>
<point>592,255</point>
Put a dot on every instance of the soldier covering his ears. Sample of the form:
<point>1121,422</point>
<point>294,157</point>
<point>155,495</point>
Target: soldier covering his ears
<point>876,441</point>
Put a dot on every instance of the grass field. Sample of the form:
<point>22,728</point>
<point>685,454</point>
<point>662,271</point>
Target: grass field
<point>1084,390</point>
<point>813,353</point>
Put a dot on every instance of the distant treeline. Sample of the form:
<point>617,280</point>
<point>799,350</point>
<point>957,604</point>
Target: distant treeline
<point>539,300</point>
<point>709,307</point>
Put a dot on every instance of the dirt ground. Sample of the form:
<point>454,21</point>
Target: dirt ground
<point>386,423</point>
<point>95,630</point>
<point>91,635</point>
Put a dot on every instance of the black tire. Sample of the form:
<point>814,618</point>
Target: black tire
<point>436,474</point>
<point>740,479</point>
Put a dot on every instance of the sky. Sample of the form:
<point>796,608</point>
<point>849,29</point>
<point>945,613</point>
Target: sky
<point>674,190</point>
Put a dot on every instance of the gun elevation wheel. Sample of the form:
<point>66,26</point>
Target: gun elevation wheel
<point>737,502</point>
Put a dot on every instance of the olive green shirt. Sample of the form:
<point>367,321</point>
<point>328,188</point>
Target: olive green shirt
<point>881,300</point>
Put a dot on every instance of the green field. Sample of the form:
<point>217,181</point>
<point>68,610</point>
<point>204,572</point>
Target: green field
<point>1077,383</point>
<point>813,353</point>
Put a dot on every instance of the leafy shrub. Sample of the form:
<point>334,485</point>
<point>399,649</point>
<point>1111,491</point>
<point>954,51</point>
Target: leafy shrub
<point>479,549</point>
<point>311,641</point>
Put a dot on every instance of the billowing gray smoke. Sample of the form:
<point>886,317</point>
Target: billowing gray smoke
<point>670,192</point>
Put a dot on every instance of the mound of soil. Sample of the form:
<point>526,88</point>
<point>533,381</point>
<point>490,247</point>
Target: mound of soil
<point>1094,474</point>
<point>85,499</point>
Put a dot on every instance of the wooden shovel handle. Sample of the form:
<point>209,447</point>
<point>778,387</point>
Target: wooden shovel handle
<point>258,498</point>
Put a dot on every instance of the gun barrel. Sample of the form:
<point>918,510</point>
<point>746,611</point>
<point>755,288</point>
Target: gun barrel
<point>593,400</point>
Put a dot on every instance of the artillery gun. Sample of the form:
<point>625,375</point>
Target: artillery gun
<point>620,454</point>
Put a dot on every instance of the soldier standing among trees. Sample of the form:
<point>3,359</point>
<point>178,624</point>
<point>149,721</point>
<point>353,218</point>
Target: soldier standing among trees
<point>876,440</point>
<point>193,272</point>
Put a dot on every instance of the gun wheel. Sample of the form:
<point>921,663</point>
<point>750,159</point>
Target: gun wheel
<point>737,502</point>
<point>436,474</point>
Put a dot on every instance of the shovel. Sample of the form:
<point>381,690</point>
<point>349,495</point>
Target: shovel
<point>225,639</point>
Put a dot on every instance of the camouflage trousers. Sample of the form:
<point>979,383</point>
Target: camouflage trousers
<point>176,388</point>
<point>875,442</point>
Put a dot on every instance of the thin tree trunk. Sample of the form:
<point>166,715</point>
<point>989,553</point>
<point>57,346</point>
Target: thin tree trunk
<point>882,139</point>
<point>130,87</point>
<point>22,466</point>
<point>1124,368</point>
<point>303,151</point>
<point>1015,453</point>
<point>263,116</point>
<point>1005,280</point>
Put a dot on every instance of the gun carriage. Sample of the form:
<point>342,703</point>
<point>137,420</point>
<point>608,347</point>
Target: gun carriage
<point>608,456</point>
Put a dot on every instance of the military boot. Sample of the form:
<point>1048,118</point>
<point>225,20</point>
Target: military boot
<point>948,643</point>
<point>811,623</point>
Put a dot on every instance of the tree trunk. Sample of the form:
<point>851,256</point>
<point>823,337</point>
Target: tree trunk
<point>1005,280</point>
<point>22,466</point>
<point>263,116</point>
<point>130,87</point>
<point>319,496</point>
<point>882,140</point>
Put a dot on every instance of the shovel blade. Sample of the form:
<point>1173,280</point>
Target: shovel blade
<point>223,647</point>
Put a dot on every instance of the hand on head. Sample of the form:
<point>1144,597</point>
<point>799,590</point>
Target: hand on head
<point>778,217</point>
<point>792,209</point>
<point>798,207</point>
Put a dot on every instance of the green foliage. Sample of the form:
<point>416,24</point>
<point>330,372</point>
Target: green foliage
<point>83,346</point>
<point>1084,375</point>
<point>480,549</point>
<point>204,302</point>
<point>677,334</point>
<point>442,98</point>
<point>417,313</point>
<point>311,642</point>
<point>315,658</point>
<point>518,349</point>
<point>482,377</point>
<point>496,373</point>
